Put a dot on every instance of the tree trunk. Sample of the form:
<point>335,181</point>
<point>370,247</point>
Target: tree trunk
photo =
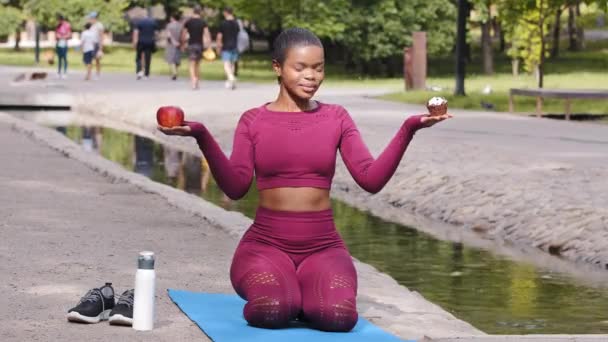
<point>461,45</point>
<point>499,34</point>
<point>556,33</point>
<point>486,47</point>
<point>541,64</point>
<point>37,46</point>
<point>515,66</point>
<point>580,32</point>
<point>572,29</point>
<point>17,39</point>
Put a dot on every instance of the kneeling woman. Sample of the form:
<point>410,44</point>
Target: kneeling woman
<point>292,263</point>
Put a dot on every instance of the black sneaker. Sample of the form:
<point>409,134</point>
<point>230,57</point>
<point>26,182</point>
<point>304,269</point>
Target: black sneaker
<point>95,306</point>
<point>122,314</point>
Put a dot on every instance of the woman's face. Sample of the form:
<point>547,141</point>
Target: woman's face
<point>302,71</point>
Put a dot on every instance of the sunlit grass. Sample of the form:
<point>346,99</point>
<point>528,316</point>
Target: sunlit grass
<point>571,70</point>
<point>585,69</point>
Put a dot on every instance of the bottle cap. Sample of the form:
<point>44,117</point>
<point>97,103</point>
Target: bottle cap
<point>145,261</point>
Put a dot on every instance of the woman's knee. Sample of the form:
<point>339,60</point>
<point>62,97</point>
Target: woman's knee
<point>259,268</point>
<point>272,300</point>
<point>271,311</point>
<point>266,279</point>
<point>339,316</point>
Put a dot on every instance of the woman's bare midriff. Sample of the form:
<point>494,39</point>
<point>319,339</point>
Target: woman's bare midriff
<point>295,199</point>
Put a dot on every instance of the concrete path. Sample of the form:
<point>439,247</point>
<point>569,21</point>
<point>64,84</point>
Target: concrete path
<point>66,229</point>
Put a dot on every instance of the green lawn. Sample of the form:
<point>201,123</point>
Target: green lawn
<point>122,59</point>
<point>571,70</point>
<point>253,67</point>
<point>586,69</point>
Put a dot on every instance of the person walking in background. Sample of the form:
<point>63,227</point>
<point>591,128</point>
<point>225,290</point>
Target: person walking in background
<point>144,44</point>
<point>63,33</point>
<point>198,37</point>
<point>172,51</point>
<point>241,38</point>
<point>226,44</point>
<point>99,30</point>
<point>87,44</point>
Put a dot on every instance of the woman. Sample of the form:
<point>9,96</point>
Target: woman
<point>292,263</point>
<point>196,33</point>
<point>63,33</point>
<point>172,52</point>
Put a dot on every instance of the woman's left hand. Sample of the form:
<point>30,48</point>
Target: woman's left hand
<point>184,130</point>
<point>430,120</point>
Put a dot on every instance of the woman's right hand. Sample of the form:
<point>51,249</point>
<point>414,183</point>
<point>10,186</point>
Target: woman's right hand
<point>176,130</point>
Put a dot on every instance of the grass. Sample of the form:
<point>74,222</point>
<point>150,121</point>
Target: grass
<point>571,70</point>
<point>585,69</point>
<point>122,59</point>
<point>499,97</point>
<point>253,67</point>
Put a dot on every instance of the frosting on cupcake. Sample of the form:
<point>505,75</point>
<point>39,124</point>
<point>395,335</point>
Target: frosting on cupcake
<point>437,101</point>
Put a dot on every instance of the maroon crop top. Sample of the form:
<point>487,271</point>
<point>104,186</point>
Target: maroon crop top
<point>298,149</point>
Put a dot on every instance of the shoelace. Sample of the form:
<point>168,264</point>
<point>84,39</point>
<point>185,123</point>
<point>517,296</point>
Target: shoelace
<point>92,296</point>
<point>126,298</point>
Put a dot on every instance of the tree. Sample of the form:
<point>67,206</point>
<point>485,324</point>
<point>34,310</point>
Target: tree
<point>463,13</point>
<point>11,19</point>
<point>527,22</point>
<point>557,26</point>
<point>371,33</point>
<point>575,31</point>
<point>327,19</point>
<point>378,31</point>
<point>171,6</point>
<point>45,12</point>
<point>485,20</point>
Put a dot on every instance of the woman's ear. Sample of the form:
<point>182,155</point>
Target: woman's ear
<point>277,67</point>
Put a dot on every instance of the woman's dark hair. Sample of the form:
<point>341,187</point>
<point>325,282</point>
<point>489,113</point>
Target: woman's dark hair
<point>176,15</point>
<point>87,26</point>
<point>290,38</point>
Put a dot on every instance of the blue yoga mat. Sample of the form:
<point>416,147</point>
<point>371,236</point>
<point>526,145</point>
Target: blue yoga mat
<point>220,316</point>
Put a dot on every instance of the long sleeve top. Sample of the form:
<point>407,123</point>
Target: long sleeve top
<point>298,149</point>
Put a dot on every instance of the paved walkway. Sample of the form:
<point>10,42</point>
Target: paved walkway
<point>66,229</point>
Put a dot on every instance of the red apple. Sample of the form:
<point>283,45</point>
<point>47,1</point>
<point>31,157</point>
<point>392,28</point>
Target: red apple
<point>170,116</point>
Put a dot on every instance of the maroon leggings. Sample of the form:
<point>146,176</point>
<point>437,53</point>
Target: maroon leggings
<point>292,265</point>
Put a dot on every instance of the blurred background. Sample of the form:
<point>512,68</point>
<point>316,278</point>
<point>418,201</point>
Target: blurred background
<point>506,43</point>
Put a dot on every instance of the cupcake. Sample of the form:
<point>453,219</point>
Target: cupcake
<point>437,106</point>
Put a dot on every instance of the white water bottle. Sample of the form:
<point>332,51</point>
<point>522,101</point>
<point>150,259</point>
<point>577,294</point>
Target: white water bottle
<point>145,285</point>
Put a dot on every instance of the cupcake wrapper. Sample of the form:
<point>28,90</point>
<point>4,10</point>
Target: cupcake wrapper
<point>438,110</point>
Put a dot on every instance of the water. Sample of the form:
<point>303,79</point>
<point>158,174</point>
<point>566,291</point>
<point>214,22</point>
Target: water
<point>496,295</point>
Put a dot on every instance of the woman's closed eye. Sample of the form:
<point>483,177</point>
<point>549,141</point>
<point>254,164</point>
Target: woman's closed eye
<point>302,67</point>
